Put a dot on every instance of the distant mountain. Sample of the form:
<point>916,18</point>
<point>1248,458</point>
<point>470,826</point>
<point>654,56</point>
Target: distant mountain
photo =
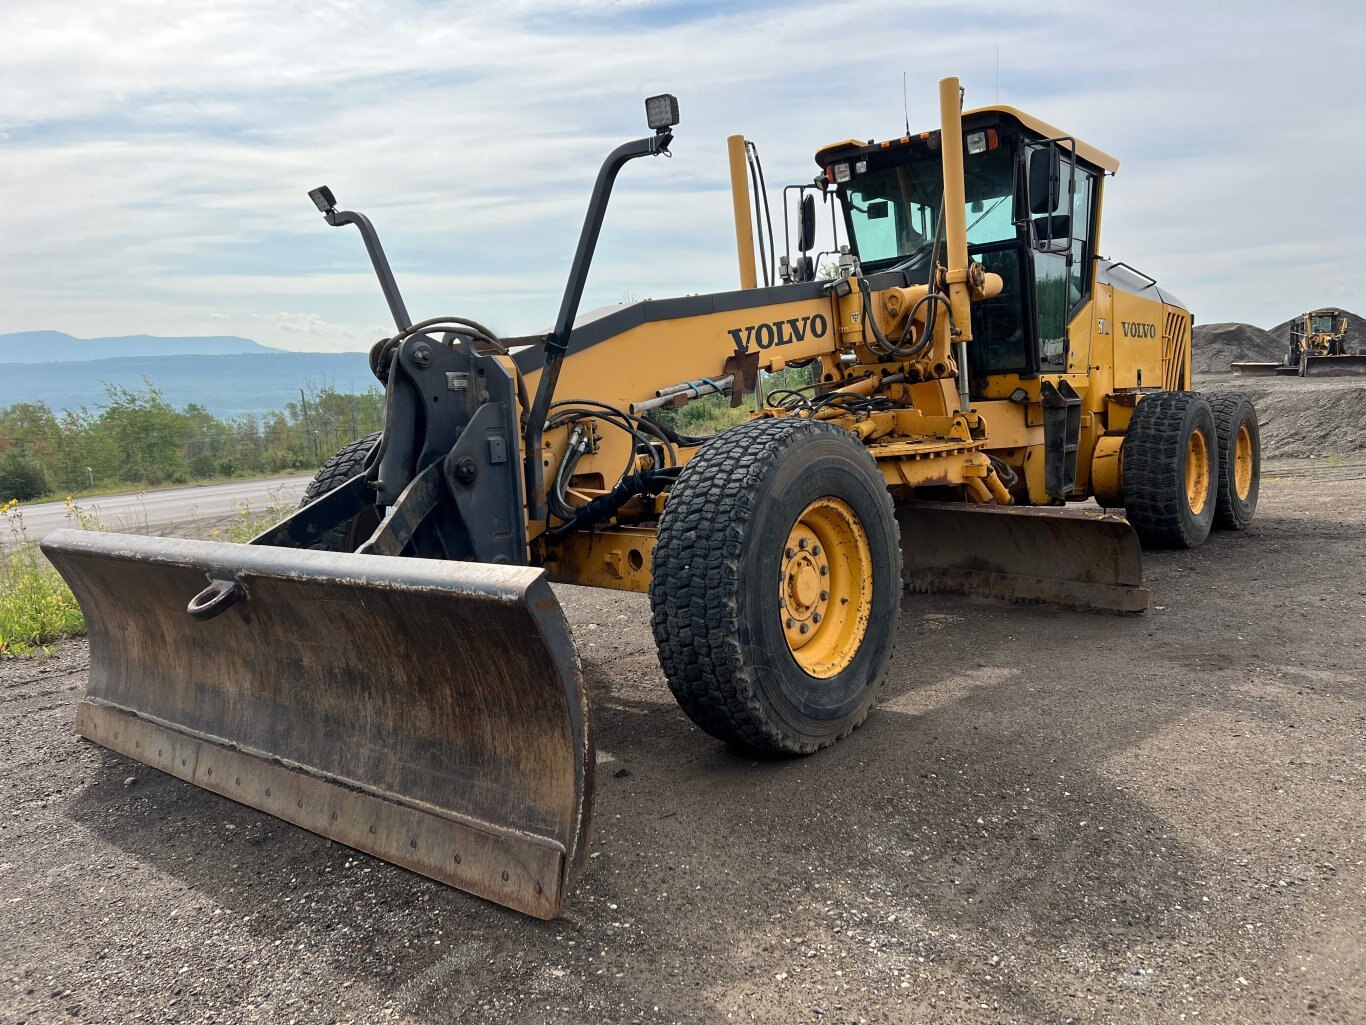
<point>226,385</point>
<point>60,347</point>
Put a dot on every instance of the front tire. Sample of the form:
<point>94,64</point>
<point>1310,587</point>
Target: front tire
<point>776,587</point>
<point>344,465</point>
<point>1170,464</point>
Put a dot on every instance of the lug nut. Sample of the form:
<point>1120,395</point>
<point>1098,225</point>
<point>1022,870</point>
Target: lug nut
<point>791,622</point>
<point>825,596</point>
<point>825,570</point>
<point>802,544</point>
<point>805,628</point>
<point>815,617</point>
<point>815,549</point>
<point>790,552</point>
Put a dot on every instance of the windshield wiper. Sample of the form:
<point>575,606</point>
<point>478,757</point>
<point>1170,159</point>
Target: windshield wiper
<point>987,213</point>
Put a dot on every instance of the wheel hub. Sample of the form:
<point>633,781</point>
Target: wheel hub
<point>803,573</point>
<point>1197,471</point>
<point>1242,462</point>
<point>825,587</point>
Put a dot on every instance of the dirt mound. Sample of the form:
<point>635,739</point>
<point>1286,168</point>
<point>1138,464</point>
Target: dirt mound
<point>1356,332</point>
<point>1301,416</point>
<point>1215,346</point>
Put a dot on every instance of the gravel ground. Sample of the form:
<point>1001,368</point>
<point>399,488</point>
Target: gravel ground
<point>1303,417</point>
<point>1051,817</point>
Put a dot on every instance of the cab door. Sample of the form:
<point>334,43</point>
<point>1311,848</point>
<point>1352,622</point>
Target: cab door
<point>1064,272</point>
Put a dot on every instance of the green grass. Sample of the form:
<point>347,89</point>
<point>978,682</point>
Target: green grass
<point>252,518</point>
<point>36,606</point>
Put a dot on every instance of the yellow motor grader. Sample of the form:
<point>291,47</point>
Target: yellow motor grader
<point>389,666</point>
<point>1318,347</point>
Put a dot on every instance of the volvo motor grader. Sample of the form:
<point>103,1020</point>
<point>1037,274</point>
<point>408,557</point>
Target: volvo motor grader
<point>389,666</point>
<point>1318,347</point>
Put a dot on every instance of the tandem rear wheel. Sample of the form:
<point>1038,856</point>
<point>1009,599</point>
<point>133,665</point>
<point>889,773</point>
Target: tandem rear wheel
<point>777,585</point>
<point>1190,462</point>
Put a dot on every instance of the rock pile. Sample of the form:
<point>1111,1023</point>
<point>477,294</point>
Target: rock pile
<point>1215,346</point>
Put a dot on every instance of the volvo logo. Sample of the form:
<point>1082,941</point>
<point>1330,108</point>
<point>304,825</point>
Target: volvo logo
<point>779,332</point>
<point>1138,329</point>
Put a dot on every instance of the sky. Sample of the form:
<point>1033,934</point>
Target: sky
<point>155,157</point>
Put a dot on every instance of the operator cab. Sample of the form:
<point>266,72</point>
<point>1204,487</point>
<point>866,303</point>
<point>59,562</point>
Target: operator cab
<point>1327,322</point>
<point>1033,217</point>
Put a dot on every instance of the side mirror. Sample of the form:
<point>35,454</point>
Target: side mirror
<point>1045,179</point>
<point>806,230</point>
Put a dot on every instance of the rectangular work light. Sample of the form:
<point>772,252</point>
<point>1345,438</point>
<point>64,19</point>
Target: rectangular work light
<point>661,111</point>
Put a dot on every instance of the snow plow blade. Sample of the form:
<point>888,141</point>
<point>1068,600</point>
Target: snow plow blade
<point>430,713</point>
<point>1082,560</point>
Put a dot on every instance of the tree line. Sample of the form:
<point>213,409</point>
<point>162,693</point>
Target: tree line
<point>137,438</point>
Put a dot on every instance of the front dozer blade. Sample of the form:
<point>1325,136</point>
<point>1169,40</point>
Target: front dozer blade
<point>1335,366</point>
<point>430,713</point>
<point>1263,369</point>
<point>1084,560</point>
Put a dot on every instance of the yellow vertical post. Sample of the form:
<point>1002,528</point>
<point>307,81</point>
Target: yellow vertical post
<point>744,218</point>
<point>955,216</point>
<point>955,230</point>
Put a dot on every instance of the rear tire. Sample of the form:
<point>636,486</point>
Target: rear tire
<point>776,586</point>
<point>1240,460</point>
<point>1170,464</point>
<point>348,462</point>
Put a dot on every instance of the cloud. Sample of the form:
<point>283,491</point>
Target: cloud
<point>156,159</point>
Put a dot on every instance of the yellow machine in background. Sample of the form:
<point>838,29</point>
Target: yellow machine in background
<point>1318,348</point>
<point>1320,333</point>
<point>388,666</point>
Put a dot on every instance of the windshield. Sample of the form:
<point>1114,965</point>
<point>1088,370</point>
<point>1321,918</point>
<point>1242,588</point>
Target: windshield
<point>893,212</point>
<point>1326,325</point>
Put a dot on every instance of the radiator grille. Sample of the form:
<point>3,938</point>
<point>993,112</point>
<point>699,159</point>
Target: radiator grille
<point>1174,350</point>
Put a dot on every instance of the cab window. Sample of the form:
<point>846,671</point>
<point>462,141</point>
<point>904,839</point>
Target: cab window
<point>1062,262</point>
<point>892,212</point>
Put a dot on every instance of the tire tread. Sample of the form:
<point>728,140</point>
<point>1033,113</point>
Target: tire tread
<point>344,464</point>
<point>1154,490</point>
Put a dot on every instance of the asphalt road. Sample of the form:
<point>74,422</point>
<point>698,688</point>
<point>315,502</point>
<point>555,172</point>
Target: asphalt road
<point>145,512</point>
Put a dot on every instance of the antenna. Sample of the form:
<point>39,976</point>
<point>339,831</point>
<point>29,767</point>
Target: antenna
<point>998,72</point>
<point>905,105</point>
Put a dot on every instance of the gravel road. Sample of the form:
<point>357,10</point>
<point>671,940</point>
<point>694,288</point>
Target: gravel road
<point>1051,817</point>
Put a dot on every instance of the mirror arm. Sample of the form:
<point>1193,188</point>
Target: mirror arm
<point>557,342</point>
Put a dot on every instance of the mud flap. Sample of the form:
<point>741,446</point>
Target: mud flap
<point>1079,559</point>
<point>430,713</point>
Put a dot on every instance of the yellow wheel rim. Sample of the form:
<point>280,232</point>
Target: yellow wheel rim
<point>1242,462</point>
<point>826,587</point>
<point>1197,471</point>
